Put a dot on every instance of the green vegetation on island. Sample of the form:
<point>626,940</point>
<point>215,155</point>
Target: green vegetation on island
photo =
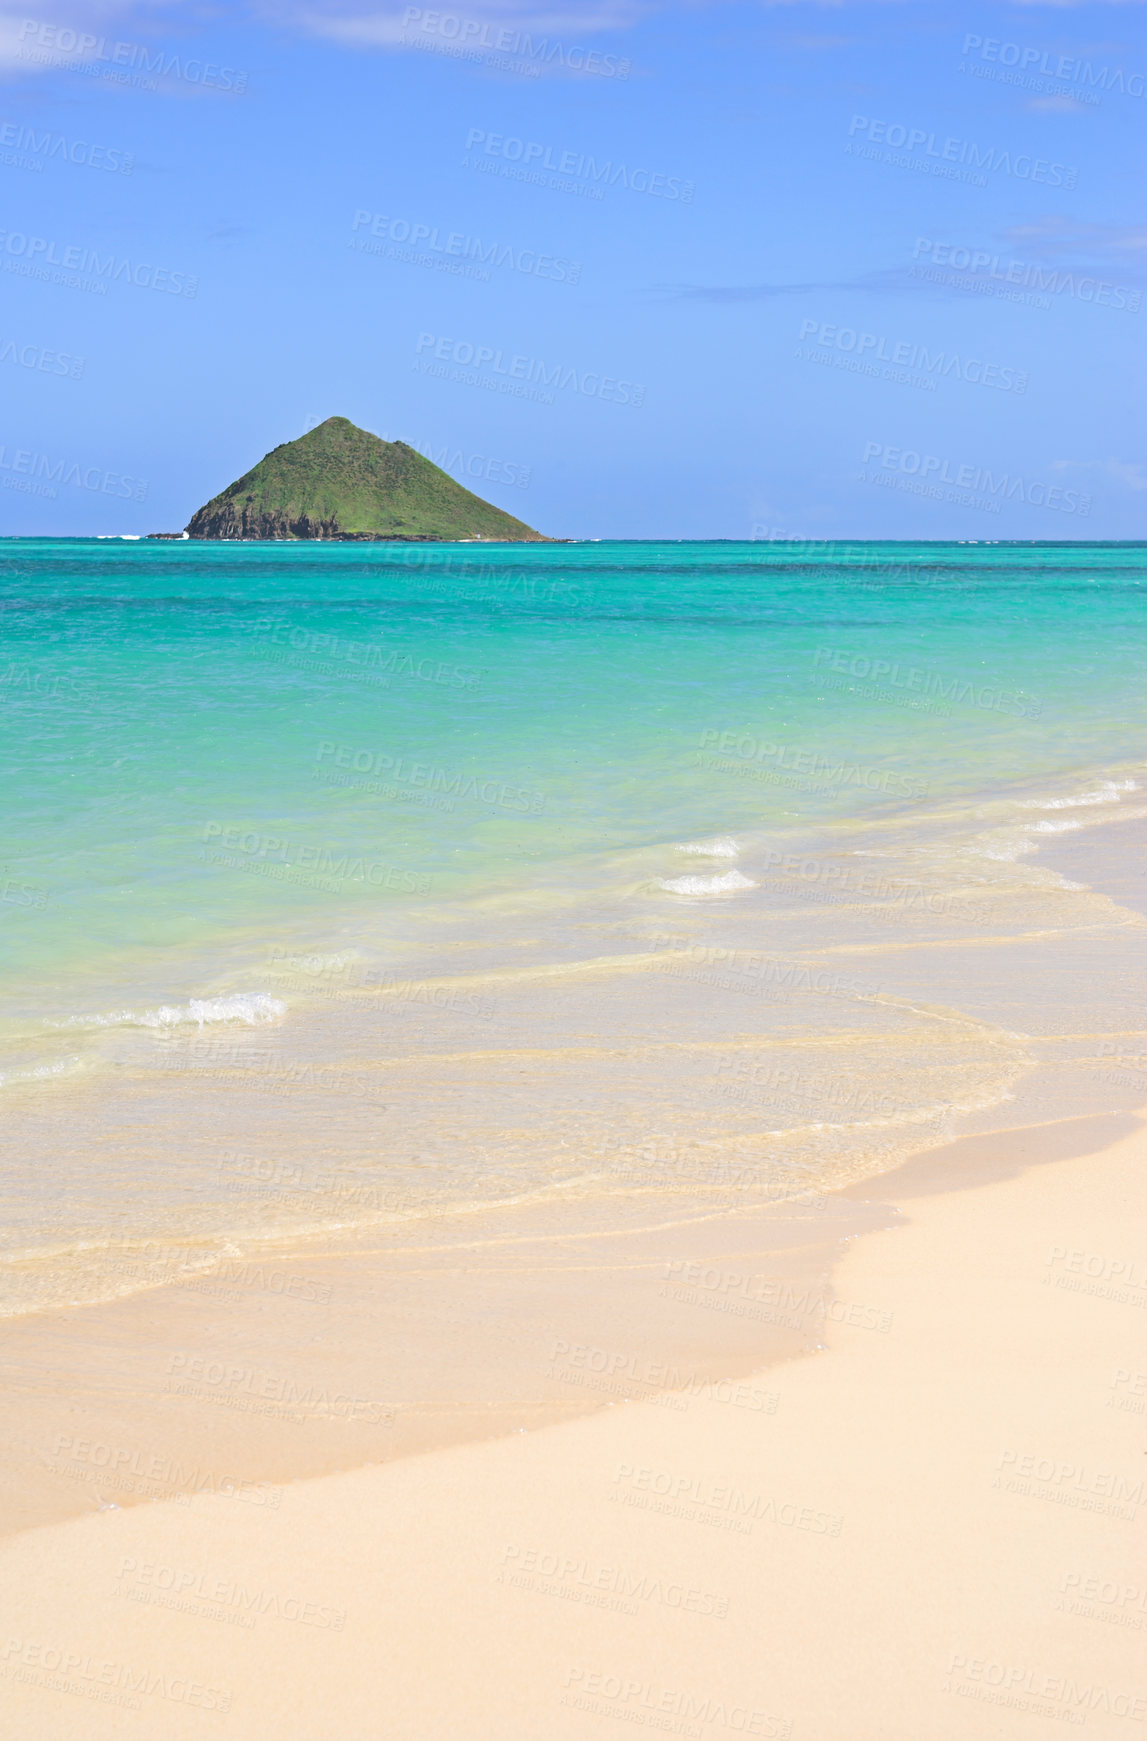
<point>340,482</point>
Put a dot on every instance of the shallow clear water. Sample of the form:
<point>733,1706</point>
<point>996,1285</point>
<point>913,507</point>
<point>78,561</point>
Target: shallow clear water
<point>436,876</point>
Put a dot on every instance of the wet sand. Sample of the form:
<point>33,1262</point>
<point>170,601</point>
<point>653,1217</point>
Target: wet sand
<point>940,1506</point>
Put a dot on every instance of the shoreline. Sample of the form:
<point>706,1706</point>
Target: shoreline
<point>310,1354</point>
<point>145,1398</point>
<point>951,1501</point>
<point>754,1087</point>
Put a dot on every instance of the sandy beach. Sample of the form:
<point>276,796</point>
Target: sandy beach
<point>938,1508</point>
<point>573,990</point>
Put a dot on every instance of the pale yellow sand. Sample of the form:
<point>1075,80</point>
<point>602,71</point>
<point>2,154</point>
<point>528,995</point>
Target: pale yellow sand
<point>942,1511</point>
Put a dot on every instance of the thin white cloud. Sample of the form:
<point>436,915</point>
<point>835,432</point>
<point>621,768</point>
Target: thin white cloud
<point>368,25</point>
<point>69,33</point>
<point>1071,238</point>
<point>889,279</point>
<point>365,23</point>
<point>1127,472</point>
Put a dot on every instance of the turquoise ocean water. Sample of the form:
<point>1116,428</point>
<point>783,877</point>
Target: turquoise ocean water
<point>347,885</point>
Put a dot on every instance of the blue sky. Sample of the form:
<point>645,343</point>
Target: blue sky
<point>629,270</point>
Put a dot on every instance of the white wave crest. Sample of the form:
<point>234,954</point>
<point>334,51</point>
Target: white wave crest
<point>725,885</point>
<point>253,1008</point>
<point>1108,793</point>
<point>723,847</point>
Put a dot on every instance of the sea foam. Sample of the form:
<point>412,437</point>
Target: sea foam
<point>724,885</point>
<point>723,847</point>
<point>254,1008</point>
<point>40,1072</point>
<point>1108,793</point>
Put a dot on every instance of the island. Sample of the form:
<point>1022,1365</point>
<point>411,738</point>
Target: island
<point>340,482</point>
